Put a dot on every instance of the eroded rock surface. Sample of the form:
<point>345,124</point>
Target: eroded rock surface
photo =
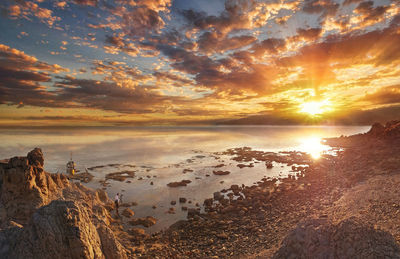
<point>350,238</point>
<point>44,215</point>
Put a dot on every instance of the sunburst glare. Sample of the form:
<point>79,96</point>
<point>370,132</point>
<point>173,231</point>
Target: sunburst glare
<point>315,107</point>
<point>313,146</point>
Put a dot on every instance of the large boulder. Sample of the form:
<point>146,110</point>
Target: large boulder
<point>44,215</point>
<point>350,238</point>
<point>62,229</point>
<point>25,186</point>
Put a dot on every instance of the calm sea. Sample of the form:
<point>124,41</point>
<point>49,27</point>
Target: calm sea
<point>159,155</point>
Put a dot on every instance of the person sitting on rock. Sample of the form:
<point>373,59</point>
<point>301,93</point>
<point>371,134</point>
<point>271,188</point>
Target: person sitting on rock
<point>116,201</point>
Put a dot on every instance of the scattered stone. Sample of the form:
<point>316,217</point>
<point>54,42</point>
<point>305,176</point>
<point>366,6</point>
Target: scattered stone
<point>178,184</point>
<point>120,176</point>
<point>221,172</point>
<point>128,212</point>
<point>269,165</point>
<point>146,222</point>
<point>187,171</point>
<point>83,177</point>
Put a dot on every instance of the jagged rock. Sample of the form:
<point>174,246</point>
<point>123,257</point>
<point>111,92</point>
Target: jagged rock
<point>350,238</point>
<point>25,186</point>
<point>44,215</point>
<point>35,157</point>
<point>62,229</point>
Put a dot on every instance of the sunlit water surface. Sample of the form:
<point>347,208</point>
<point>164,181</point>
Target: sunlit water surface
<point>160,154</point>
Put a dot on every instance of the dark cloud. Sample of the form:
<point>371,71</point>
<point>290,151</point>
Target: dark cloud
<point>351,48</point>
<point>326,8</point>
<point>237,15</point>
<point>119,44</point>
<point>176,79</point>
<point>110,96</point>
<point>309,34</point>
<point>369,13</point>
<point>86,2</point>
<point>213,42</point>
<point>140,21</point>
<point>385,95</point>
<point>271,46</point>
<point>22,77</point>
<point>347,2</point>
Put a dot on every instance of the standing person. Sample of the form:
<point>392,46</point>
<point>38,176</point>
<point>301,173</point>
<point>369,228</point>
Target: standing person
<point>116,201</point>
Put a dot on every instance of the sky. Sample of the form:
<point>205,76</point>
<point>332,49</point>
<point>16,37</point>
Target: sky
<point>168,62</point>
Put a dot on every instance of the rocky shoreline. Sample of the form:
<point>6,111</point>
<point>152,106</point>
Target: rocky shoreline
<point>340,206</point>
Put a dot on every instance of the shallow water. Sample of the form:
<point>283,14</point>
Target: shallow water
<point>162,153</point>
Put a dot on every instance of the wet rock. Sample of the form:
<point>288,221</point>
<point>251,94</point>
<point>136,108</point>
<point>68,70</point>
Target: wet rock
<point>187,171</point>
<point>120,176</point>
<point>178,184</point>
<point>85,177</point>
<point>218,166</point>
<point>269,165</point>
<point>128,212</point>
<point>221,172</point>
<point>243,165</point>
<point>146,222</point>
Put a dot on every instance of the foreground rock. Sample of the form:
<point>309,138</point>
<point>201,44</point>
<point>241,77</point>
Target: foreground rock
<point>45,216</point>
<point>350,238</point>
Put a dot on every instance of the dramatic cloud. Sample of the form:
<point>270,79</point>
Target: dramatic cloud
<point>188,61</point>
<point>386,95</point>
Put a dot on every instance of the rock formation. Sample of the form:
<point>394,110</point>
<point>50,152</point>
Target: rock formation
<point>350,238</point>
<point>44,215</point>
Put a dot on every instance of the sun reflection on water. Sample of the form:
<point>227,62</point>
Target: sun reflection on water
<point>313,146</point>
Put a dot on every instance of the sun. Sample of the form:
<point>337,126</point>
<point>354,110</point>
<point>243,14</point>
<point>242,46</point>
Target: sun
<point>313,146</point>
<point>315,107</point>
